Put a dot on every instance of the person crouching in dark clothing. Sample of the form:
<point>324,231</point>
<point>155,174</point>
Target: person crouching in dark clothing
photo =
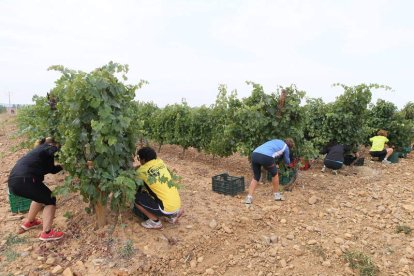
<point>26,180</point>
<point>334,158</point>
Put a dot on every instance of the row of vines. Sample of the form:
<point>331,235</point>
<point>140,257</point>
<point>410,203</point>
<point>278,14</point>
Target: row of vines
<point>98,123</point>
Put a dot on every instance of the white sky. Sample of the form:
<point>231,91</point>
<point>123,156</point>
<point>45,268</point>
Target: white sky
<point>185,49</point>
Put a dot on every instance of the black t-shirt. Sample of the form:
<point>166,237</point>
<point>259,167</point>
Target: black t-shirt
<point>37,163</point>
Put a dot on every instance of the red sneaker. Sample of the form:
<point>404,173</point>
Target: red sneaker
<point>29,225</point>
<point>51,236</point>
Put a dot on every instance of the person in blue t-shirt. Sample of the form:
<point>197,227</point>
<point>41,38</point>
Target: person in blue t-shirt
<point>265,155</point>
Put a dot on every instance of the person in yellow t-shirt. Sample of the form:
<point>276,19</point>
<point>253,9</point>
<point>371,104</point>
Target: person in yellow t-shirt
<point>378,146</point>
<point>156,198</point>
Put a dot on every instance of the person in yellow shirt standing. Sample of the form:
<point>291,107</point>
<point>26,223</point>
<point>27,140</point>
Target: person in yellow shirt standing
<point>378,147</point>
<point>157,198</point>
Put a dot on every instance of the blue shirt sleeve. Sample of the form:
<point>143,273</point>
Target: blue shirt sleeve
<point>286,156</point>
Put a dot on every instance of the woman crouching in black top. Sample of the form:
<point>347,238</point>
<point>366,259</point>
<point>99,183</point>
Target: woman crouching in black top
<point>334,158</point>
<point>26,180</point>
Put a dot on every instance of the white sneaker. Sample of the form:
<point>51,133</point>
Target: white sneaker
<point>386,162</point>
<point>248,200</point>
<point>279,197</point>
<point>323,169</point>
<point>335,172</point>
<point>150,224</point>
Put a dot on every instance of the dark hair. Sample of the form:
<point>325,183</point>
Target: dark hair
<point>147,154</point>
<point>332,143</point>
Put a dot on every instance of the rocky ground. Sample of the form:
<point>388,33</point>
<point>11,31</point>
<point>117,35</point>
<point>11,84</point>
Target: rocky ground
<point>326,224</point>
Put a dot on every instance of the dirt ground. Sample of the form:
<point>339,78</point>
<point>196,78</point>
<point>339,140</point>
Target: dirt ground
<point>323,219</point>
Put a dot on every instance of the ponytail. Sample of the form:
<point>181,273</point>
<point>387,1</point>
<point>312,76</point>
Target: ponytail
<point>39,142</point>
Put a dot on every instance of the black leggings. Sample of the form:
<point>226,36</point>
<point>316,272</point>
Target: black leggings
<point>29,187</point>
<point>259,160</point>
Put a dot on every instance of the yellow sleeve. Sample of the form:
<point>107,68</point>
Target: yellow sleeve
<point>142,173</point>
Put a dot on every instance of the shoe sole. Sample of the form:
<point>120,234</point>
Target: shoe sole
<point>50,239</point>
<point>28,228</point>
<point>155,228</point>
<point>152,227</point>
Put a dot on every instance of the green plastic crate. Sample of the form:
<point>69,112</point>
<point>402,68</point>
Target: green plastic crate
<point>394,157</point>
<point>285,178</point>
<point>227,184</point>
<point>402,155</point>
<point>406,150</point>
<point>19,204</point>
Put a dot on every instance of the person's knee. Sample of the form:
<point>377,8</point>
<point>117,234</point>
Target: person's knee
<point>390,150</point>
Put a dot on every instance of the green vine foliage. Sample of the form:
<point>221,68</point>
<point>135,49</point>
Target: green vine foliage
<point>143,114</point>
<point>37,121</point>
<point>385,115</point>
<point>347,119</point>
<point>256,119</point>
<point>98,124</point>
<point>380,116</point>
<point>292,120</point>
<point>98,134</point>
<point>200,128</point>
<point>407,114</point>
<point>261,118</point>
<point>408,111</point>
<point>223,114</point>
<point>316,122</point>
<point>170,125</point>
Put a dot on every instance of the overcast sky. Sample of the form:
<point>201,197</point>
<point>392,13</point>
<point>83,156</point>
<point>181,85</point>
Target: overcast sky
<point>185,49</point>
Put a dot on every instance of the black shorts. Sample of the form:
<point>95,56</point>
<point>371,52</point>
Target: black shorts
<point>259,160</point>
<point>380,154</point>
<point>149,203</point>
<point>29,187</point>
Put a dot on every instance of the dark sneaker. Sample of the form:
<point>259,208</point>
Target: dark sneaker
<point>51,236</point>
<point>29,225</point>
